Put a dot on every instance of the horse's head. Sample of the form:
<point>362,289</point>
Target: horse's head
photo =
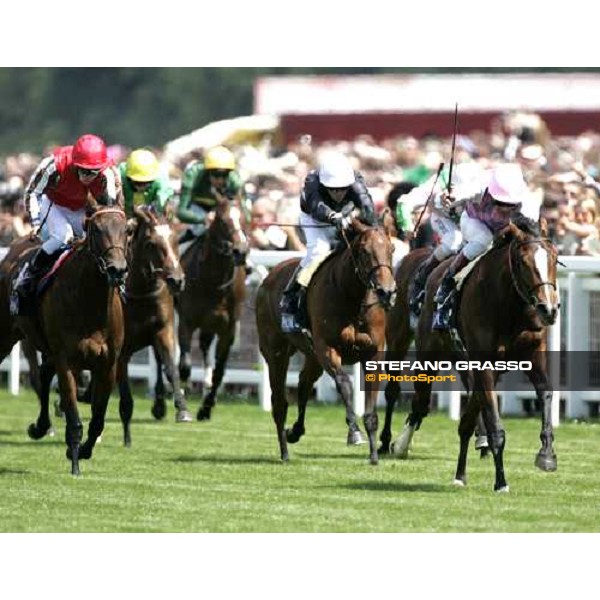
<point>156,243</point>
<point>225,233</point>
<point>106,238</point>
<point>372,254</point>
<point>532,262</point>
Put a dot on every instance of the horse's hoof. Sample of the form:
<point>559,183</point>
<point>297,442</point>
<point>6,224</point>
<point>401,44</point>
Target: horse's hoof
<point>484,453</point>
<point>355,438</point>
<point>37,433</point>
<point>374,460</point>
<point>481,442</point>
<point>502,490</point>
<point>75,470</point>
<point>159,410</point>
<point>459,483</point>
<point>293,435</point>
<point>384,449</point>
<point>183,416</point>
<point>399,453</point>
<point>203,414</point>
<point>546,463</point>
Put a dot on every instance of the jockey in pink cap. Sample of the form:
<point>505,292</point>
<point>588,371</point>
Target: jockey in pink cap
<point>501,192</point>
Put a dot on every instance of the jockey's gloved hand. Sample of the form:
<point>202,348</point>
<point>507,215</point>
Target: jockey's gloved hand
<point>336,218</point>
<point>346,222</point>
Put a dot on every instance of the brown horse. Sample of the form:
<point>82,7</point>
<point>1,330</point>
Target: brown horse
<point>155,276</point>
<point>504,308</point>
<point>347,300</point>
<point>78,323</point>
<point>213,296</point>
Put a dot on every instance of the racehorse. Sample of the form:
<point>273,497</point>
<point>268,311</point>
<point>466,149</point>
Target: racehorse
<point>78,322</point>
<point>213,296</point>
<point>155,276</point>
<point>347,300</point>
<point>502,312</point>
<point>400,334</point>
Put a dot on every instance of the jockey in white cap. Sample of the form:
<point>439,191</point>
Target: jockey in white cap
<point>332,195</point>
<point>502,192</point>
<point>444,220</point>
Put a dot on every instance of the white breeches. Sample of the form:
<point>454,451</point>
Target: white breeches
<point>61,225</point>
<point>476,234</point>
<point>450,236</point>
<point>318,246</point>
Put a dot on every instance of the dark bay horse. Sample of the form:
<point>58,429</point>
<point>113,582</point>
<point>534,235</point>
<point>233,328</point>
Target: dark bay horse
<point>347,300</point>
<point>213,296</point>
<point>78,323</point>
<point>504,309</point>
<point>155,276</point>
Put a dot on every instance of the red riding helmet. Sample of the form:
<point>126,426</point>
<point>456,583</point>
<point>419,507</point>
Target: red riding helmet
<point>89,152</point>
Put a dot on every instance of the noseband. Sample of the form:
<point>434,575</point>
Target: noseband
<point>99,255</point>
<point>528,297</point>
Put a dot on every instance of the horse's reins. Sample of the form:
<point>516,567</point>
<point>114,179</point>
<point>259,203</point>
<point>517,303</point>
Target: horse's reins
<point>528,298</point>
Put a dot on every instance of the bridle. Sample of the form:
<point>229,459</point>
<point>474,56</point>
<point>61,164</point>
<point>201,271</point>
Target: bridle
<point>367,279</point>
<point>99,254</point>
<point>527,296</point>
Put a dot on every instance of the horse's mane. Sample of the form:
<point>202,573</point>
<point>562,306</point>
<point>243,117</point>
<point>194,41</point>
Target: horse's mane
<point>526,225</point>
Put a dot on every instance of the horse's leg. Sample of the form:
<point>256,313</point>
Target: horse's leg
<point>73,429</point>
<point>311,371</point>
<point>224,344</point>
<point>103,381</point>
<point>545,458</point>
<point>125,398</point>
<point>332,362</point>
<point>185,333</point>
<point>481,440</point>
<point>419,410</point>
<point>164,350</point>
<point>493,425</point>
<point>43,425</point>
<point>278,362</point>
<point>392,393</point>
<point>205,340</point>
<point>466,428</point>
<point>371,421</point>
<point>159,407</point>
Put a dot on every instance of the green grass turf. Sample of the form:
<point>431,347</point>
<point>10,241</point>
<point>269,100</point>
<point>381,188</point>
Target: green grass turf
<point>225,476</point>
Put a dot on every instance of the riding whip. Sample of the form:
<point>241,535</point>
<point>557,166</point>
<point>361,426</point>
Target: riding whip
<point>429,197</point>
<point>449,186</point>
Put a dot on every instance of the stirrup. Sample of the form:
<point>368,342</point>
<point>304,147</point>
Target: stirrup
<point>289,324</point>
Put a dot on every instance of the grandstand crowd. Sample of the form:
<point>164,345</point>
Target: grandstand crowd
<point>560,171</point>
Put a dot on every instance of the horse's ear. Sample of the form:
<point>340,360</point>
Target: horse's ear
<point>91,205</point>
<point>359,226</point>
<point>543,227</point>
<point>141,215</point>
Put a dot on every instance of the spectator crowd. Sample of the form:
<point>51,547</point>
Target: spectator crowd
<point>561,174</point>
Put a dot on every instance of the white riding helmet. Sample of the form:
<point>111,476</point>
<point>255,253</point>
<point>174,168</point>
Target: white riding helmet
<point>336,171</point>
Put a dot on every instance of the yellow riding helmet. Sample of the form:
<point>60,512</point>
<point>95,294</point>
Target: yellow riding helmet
<point>219,157</point>
<point>142,165</point>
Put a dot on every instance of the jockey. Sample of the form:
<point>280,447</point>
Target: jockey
<point>202,184</point>
<point>142,184</point>
<point>331,195</point>
<point>444,220</point>
<point>56,197</point>
<point>501,193</point>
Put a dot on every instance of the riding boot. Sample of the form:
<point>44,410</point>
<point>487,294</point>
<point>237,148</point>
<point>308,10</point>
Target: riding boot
<point>418,291</point>
<point>441,318</point>
<point>301,311</point>
<point>289,302</point>
<point>37,267</point>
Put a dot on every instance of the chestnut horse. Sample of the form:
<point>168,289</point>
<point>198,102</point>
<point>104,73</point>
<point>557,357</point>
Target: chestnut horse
<point>213,295</point>
<point>155,276</point>
<point>347,300</point>
<point>78,323</point>
<point>502,313</point>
